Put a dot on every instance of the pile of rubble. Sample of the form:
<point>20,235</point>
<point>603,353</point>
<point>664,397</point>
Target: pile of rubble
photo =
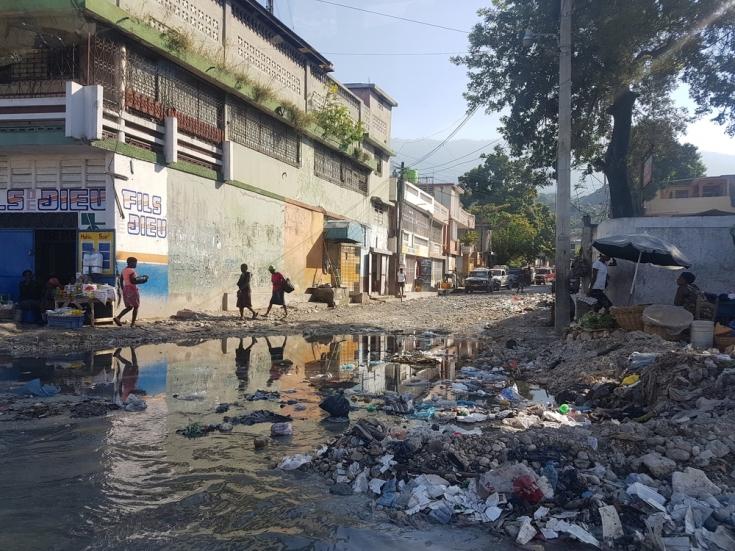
<point>641,458</point>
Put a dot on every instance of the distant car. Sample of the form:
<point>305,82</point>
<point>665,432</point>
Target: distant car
<point>479,280</point>
<point>544,276</point>
<point>501,278</point>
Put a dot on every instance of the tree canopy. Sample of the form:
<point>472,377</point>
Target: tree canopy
<point>502,192</point>
<point>628,57</point>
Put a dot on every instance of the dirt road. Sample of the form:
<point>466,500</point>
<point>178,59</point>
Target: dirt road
<point>457,314</point>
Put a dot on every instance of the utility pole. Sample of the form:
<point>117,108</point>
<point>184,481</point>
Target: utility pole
<point>563,169</point>
<point>399,221</point>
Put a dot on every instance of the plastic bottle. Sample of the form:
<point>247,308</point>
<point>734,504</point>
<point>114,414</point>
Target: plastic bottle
<point>564,409</point>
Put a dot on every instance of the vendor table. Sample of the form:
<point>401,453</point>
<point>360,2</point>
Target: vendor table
<point>82,303</point>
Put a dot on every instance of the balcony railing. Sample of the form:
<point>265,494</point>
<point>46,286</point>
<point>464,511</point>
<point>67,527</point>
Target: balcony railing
<point>441,213</point>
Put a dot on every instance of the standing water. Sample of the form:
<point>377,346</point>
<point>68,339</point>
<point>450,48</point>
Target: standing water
<point>130,481</point>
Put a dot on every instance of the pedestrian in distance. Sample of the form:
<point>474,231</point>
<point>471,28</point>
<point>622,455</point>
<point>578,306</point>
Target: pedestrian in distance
<point>244,294</point>
<point>129,281</point>
<point>401,279</point>
<point>278,297</point>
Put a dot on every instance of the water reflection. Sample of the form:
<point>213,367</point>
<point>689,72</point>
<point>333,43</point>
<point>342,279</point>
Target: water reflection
<point>128,480</point>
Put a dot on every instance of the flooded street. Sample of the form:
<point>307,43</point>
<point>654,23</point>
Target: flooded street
<point>129,481</point>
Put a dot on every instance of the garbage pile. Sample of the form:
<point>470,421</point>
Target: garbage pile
<point>639,457</point>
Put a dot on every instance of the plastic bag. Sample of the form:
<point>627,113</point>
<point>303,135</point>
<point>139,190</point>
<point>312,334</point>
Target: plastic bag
<point>293,462</point>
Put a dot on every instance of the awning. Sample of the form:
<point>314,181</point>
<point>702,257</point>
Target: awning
<point>376,250</point>
<point>342,231</point>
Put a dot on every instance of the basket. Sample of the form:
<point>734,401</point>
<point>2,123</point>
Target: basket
<point>629,317</point>
<point>662,332</point>
<point>724,341</point>
<point>65,322</point>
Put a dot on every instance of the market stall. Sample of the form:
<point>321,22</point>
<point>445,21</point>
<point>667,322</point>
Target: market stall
<point>85,297</point>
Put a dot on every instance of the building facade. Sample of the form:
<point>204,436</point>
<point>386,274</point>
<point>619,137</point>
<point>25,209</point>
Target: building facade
<point>184,134</point>
<point>707,195</point>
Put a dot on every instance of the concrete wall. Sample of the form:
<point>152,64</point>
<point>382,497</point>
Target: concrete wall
<point>301,184</point>
<point>705,240</point>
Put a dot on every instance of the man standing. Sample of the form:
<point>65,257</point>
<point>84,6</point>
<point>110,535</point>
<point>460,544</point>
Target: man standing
<point>279,295</point>
<point>599,282</point>
<point>401,279</point>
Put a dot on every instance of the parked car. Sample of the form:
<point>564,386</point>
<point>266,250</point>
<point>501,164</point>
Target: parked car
<point>544,276</point>
<point>500,277</point>
<point>479,280</point>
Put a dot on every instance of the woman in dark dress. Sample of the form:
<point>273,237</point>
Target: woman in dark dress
<point>244,295</point>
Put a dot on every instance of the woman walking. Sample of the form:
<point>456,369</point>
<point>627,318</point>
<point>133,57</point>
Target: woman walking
<point>244,294</point>
<point>279,295</point>
<point>130,293</point>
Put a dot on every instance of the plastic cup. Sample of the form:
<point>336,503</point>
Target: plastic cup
<point>564,409</point>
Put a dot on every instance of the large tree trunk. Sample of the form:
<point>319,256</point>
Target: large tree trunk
<point>616,164</point>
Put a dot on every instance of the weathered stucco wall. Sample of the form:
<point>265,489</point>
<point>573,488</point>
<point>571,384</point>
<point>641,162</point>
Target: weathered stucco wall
<point>301,184</point>
<point>213,229</point>
<point>303,248</point>
<point>705,240</point>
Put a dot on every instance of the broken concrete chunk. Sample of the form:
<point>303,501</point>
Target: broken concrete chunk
<point>573,530</point>
<point>648,495</point>
<point>611,526</point>
<point>658,465</point>
<point>526,532</point>
<point>693,482</point>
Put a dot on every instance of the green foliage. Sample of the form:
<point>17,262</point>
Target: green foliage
<point>592,321</point>
<point>300,118</point>
<point>177,40</point>
<point>470,237</point>
<point>262,92</point>
<point>503,193</point>
<point>671,160</point>
<point>643,46</point>
<point>335,121</point>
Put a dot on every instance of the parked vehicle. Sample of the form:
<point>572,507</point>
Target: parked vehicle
<point>544,276</point>
<point>500,277</point>
<point>479,280</point>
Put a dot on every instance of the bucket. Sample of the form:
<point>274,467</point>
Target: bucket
<point>702,334</point>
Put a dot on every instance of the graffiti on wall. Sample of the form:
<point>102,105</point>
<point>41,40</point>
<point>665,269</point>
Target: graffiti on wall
<point>144,214</point>
<point>54,200</point>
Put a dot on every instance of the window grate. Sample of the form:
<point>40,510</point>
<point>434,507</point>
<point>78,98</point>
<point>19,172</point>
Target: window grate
<point>258,131</point>
<point>339,170</point>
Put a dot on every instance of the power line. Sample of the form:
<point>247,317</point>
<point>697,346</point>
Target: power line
<point>440,165</point>
<point>426,23</point>
<point>393,53</point>
<point>449,137</point>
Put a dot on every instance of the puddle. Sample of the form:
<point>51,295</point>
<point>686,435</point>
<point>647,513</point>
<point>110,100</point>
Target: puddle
<point>128,481</point>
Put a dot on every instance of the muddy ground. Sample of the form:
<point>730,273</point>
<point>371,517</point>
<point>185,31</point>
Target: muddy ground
<point>458,314</point>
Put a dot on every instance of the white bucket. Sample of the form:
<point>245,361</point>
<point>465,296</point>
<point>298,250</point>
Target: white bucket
<point>702,334</point>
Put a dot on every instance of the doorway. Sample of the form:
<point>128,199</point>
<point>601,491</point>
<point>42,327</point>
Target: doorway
<point>56,254</point>
<point>17,257</point>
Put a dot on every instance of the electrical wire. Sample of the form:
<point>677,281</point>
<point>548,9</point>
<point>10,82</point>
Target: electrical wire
<point>449,137</point>
<point>463,156</point>
<point>408,20</point>
<point>393,53</point>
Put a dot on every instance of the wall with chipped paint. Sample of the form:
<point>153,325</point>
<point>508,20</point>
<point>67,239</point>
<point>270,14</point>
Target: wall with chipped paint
<point>303,248</point>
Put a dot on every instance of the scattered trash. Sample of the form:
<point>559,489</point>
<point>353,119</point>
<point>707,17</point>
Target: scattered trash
<point>222,408</point>
<point>611,527</point>
<point>398,403</point>
<point>194,396</point>
<point>263,395</point>
<point>336,405</point>
<point>256,417</point>
<point>260,442</point>
<point>196,430</point>
<point>281,429</point>
<point>293,462</point>
<point>135,404</point>
<point>35,388</point>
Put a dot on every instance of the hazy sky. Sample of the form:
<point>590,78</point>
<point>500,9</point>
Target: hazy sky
<point>428,88</point>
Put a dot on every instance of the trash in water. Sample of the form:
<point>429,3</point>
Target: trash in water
<point>281,429</point>
<point>511,394</point>
<point>264,395</point>
<point>336,405</point>
<point>260,416</point>
<point>222,408</point>
<point>293,462</point>
<point>196,430</point>
<point>201,395</point>
<point>135,404</point>
<point>398,403</point>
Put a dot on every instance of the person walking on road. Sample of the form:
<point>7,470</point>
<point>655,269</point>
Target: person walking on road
<point>279,294</point>
<point>599,282</point>
<point>401,279</point>
<point>130,293</point>
<point>244,294</point>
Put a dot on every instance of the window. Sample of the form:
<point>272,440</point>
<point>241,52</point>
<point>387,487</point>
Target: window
<point>339,170</point>
<point>258,131</point>
<point>681,194</point>
<point>713,190</point>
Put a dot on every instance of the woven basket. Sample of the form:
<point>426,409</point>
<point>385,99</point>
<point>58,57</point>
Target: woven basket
<point>660,331</point>
<point>629,317</point>
<point>724,341</point>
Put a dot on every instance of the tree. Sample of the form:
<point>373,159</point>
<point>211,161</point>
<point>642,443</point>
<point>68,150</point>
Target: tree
<point>628,57</point>
<point>501,180</point>
<point>502,192</point>
<point>672,160</point>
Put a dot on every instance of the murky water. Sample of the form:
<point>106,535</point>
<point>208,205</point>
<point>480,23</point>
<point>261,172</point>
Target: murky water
<point>129,481</point>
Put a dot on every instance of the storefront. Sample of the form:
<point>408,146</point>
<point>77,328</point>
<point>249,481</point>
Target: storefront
<point>55,212</point>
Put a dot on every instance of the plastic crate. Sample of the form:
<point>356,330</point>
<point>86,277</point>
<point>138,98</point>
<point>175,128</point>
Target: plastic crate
<point>66,322</point>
